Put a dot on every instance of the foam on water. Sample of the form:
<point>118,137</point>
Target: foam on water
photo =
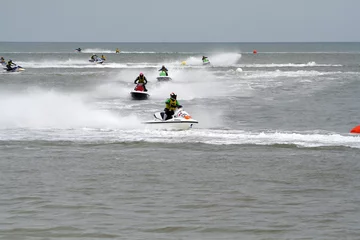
<point>69,63</point>
<point>37,108</point>
<point>220,59</point>
<point>205,136</point>
<point>97,50</point>
<point>272,65</point>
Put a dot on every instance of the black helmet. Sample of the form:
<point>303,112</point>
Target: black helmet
<point>173,95</point>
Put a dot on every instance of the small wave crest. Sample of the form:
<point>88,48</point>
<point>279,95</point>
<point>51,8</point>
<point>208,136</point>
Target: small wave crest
<point>221,59</point>
<point>273,65</point>
<point>201,136</point>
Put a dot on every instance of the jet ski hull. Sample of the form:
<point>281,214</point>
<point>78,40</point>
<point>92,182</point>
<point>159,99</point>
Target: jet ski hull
<point>15,69</point>
<point>171,124</point>
<point>164,78</point>
<point>98,61</point>
<point>180,121</point>
<point>139,95</point>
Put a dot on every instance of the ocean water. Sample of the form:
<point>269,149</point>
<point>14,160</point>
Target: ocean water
<point>271,157</point>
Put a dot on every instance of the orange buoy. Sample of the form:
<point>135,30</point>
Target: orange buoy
<point>254,51</point>
<point>355,129</point>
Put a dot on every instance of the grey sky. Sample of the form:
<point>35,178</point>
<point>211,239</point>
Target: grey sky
<point>180,20</point>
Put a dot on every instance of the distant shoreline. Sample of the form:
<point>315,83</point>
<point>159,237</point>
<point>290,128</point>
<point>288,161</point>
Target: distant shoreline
<point>181,42</point>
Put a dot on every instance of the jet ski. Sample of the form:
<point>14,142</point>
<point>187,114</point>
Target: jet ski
<point>206,61</point>
<point>15,69</point>
<point>163,77</point>
<point>139,93</point>
<point>181,120</point>
<point>97,60</point>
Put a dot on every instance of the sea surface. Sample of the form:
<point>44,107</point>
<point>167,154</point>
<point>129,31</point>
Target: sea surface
<point>271,157</point>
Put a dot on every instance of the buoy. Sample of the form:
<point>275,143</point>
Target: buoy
<point>239,70</point>
<point>183,63</point>
<point>254,51</point>
<point>355,129</point>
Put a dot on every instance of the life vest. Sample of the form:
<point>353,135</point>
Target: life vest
<point>171,104</point>
<point>141,79</point>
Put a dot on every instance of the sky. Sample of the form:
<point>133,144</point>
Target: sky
<point>180,21</point>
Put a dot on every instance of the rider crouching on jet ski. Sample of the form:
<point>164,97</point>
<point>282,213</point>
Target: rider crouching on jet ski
<point>141,79</point>
<point>163,68</point>
<point>10,64</point>
<point>170,105</point>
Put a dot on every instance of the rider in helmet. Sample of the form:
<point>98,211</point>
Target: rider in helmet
<point>170,105</point>
<point>141,79</point>
<point>9,64</point>
<point>163,68</point>
<point>2,60</point>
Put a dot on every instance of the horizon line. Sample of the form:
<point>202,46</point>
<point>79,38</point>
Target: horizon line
<point>177,42</point>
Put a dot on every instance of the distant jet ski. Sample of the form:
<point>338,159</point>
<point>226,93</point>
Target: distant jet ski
<point>15,69</point>
<point>139,92</point>
<point>205,60</point>
<point>163,77</point>
<point>96,59</point>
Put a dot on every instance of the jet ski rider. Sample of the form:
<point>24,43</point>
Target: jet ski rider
<point>141,79</point>
<point>163,68</point>
<point>10,64</point>
<point>170,105</point>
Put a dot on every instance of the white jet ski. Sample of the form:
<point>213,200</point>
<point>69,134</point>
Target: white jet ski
<point>15,69</point>
<point>180,121</point>
<point>163,77</point>
<point>139,92</point>
<point>97,60</point>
